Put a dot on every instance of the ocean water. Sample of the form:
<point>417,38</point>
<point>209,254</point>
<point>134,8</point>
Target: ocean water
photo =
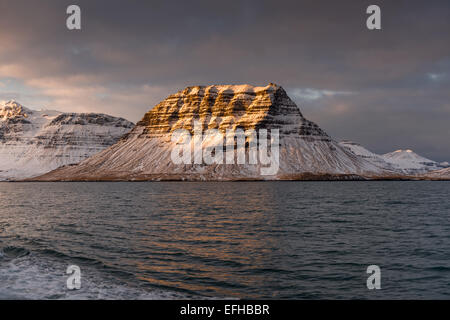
<point>268,240</point>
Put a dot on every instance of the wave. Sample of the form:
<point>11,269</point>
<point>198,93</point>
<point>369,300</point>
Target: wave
<point>12,252</point>
<point>41,274</point>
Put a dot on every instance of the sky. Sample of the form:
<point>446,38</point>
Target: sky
<point>387,89</point>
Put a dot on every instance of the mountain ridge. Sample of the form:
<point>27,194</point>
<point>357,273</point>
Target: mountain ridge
<point>34,142</point>
<point>403,161</point>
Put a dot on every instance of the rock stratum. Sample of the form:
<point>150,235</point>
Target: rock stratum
<point>305,150</point>
<point>443,174</point>
<point>35,142</point>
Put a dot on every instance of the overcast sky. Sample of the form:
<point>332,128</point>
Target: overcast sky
<point>386,89</point>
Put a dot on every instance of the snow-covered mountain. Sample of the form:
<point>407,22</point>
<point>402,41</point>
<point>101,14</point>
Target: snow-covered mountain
<point>35,142</point>
<point>145,153</point>
<point>404,162</point>
<point>361,151</point>
<point>410,162</point>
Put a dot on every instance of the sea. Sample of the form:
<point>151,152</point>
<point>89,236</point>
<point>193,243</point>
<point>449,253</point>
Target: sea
<point>225,240</point>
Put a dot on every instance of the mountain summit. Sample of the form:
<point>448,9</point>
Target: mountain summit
<point>11,109</point>
<point>305,150</point>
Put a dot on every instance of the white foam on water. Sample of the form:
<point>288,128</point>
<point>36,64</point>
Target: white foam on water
<point>39,277</point>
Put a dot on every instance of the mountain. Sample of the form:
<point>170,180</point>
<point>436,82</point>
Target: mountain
<point>403,162</point>
<point>409,162</point>
<point>374,158</point>
<point>305,150</point>
<point>35,142</point>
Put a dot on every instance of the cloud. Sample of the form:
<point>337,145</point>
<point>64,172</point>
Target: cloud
<point>79,94</point>
<point>436,76</point>
<point>314,94</point>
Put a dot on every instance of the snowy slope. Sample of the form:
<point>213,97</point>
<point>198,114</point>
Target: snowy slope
<point>404,162</point>
<point>145,153</point>
<point>361,151</point>
<point>34,142</point>
<point>410,162</point>
<point>439,174</point>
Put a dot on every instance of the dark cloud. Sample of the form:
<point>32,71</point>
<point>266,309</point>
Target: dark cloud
<point>131,54</point>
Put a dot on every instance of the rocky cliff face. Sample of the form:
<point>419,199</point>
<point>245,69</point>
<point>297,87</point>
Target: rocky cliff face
<point>35,142</point>
<point>145,152</point>
<point>229,107</point>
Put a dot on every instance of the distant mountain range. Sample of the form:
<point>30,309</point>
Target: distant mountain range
<point>305,151</point>
<point>35,142</point>
<point>401,161</point>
